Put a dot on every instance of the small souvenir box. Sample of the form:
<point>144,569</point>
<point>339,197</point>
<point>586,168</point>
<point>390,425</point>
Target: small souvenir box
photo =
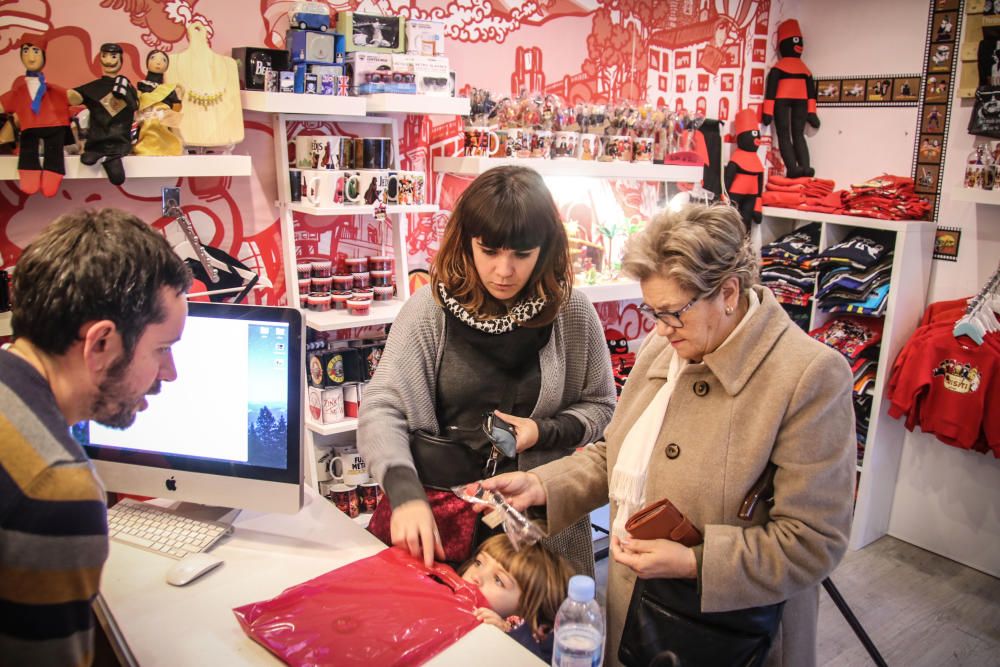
<point>368,32</point>
<point>253,64</point>
<point>307,46</point>
<point>369,72</point>
<point>433,76</point>
<point>425,38</point>
<point>304,71</point>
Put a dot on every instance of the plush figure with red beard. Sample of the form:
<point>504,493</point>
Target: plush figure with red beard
<point>745,172</point>
<point>790,100</point>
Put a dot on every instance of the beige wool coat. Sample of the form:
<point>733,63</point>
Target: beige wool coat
<point>771,393</point>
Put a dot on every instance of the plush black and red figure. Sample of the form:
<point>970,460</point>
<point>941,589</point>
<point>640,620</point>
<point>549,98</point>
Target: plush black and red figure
<point>745,171</point>
<point>790,100</point>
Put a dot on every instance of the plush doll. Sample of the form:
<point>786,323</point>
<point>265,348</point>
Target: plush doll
<point>159,110</point>
<point>41,110</point>
<point>745,172</point>
<point>112,102</point>
<point>790,100</point>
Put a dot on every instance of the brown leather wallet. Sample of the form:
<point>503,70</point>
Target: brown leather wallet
<point>662,520</point>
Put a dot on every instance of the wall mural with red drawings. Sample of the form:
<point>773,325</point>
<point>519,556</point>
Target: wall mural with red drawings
<point>708,55</point>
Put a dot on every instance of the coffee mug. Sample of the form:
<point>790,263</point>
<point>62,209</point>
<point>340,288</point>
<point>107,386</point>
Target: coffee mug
<point>564,144</point>
<point>366,186</point>
<point>319,152</point>
<point>481,142</point>
<point>345,497</point>
<point>323,465</point>
<point>348,466</point>
<point>321,187</point>
<point>376,153</point>
<point>518,142</point>
<point>541,143</point>
<point>406,187</point>
<point>642,150</point>
<point>590,147</point>
<point>369,495</point>
<point>618,148</point>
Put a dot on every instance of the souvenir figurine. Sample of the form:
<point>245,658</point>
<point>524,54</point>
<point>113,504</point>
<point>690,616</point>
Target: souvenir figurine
<point>112,102</point>
<point>745,172</point>
<point>790,100</point>
<point>41,110</point>
<point>159,110</point>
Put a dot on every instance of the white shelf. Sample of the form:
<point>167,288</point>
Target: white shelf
<point>356,209</point>
<point>617,291</point>
<point>846,220</point>
<point>330,105</point>
<point>645,171</point>
<point>136,166</point>
<point>417,104</point>
<point>976,195</point>
<point>347,425</point>
<point>380,312</point>
<point>5,329</point>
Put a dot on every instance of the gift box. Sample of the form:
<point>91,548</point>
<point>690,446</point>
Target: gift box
<point>253,64</point>
<point>433,76</point>
<point>372,33</point>
<point>307,46</point>
<point>369,72</point>
<point>304,71</point>
<point>425,38</point>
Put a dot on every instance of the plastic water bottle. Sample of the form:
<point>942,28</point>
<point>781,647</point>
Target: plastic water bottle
<point>579,630</point>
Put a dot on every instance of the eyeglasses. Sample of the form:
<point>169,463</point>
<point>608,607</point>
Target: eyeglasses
<point>672,318</point>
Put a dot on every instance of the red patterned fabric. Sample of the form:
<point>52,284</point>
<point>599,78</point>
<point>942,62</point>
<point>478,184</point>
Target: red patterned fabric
<point>455,518</point>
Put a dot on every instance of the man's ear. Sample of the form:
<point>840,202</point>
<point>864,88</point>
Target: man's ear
<point>102,345</point>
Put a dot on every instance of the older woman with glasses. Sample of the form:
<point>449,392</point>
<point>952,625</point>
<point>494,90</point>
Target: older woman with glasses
<point>727,396</point>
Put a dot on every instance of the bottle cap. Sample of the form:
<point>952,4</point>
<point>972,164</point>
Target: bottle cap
<point>581,588</point>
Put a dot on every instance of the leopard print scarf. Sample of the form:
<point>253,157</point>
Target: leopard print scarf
<point>521,312</point>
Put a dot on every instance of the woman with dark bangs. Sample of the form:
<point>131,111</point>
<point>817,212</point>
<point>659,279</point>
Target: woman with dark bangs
<point>497,332</point>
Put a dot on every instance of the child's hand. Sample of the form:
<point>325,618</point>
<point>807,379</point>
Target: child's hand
<point>487,615</point>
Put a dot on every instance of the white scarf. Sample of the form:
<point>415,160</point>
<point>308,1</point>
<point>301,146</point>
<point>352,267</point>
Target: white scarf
<point>627,486</point>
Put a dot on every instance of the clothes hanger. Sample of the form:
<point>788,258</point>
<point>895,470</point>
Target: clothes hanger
<point>974,323</point>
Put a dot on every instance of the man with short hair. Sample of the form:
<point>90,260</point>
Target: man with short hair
<point>100,300</point>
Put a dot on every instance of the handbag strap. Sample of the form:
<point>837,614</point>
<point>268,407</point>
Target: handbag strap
<point>763,488</point>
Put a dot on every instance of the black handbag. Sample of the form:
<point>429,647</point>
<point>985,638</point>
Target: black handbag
<point>443,463</point>
<point>985,119</point>
<point>666,626</point>
<point>665,621</point>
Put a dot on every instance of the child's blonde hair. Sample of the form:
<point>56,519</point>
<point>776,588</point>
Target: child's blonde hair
<point>542,575</point>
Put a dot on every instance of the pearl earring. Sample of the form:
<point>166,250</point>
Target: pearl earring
<point>729,310</point>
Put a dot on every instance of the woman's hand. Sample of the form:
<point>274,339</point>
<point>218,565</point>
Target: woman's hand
<point>655,559</point>
<point>521,489</point>
<point>490,617</point>
<point>525,429</point>
<point>412,527</point>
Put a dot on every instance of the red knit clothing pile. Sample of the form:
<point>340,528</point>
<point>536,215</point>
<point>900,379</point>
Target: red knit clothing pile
<point>805,194</point>
<point>885,197</point>
<point>949,386</point>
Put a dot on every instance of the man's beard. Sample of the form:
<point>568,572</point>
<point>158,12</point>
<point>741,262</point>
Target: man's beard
<point>112,408</point>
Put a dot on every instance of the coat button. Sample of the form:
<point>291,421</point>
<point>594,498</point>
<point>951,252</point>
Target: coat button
<point>700,388</point>
<point>673,450</point>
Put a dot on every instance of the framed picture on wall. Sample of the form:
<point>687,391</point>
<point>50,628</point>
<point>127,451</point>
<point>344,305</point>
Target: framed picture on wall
<point>933,120</point>
<point>852,90</point>
<point>937,88</point>
<point>906,89</point>
<point>929,148</point>
<point>828,91</point>
<point>943,28</point>
<point>927,178</point>
<point>946,243</point>
<point>940,58</point>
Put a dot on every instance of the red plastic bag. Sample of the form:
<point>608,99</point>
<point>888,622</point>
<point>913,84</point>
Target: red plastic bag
<point>388,609</point>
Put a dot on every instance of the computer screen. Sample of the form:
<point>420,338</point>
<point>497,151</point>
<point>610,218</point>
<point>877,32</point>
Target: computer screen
<point>227,431</point>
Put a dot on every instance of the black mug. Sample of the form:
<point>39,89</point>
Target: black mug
<point>376,153</point>
<point>295,184</point>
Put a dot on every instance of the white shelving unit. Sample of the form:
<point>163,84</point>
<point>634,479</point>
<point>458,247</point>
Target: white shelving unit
<point>616,291</point>
<point>643,171</point>
<point>328,105</point>
<point>417,104</point>
<point>5,329</point>
<point>976,195</point>
<point>137,166</point>
<point>347,425</point>
<point>360,209</point>
<point>380,312</point>
<point>909,280</point>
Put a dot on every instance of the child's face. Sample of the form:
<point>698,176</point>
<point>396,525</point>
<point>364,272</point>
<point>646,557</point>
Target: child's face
<point>498,587</point>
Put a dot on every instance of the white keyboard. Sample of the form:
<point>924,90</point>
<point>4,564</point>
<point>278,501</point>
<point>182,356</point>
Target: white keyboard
<point>161,530</point>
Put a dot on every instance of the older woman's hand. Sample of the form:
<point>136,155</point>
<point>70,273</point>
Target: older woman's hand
<point>655,559</point>
<point>525,429</point>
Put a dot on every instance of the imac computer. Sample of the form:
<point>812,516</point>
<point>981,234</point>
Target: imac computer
<point>227,431</point>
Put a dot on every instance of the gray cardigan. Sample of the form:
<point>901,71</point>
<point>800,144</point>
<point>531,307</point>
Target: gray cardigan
<point>575,375</point>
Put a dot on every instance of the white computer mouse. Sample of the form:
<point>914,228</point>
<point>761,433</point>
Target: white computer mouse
<point>191,567</point>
